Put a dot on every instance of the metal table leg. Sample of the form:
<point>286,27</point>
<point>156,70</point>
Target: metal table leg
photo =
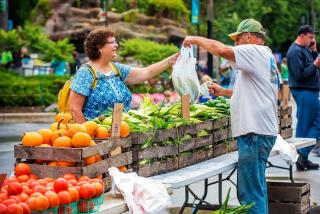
<point>186,191</point>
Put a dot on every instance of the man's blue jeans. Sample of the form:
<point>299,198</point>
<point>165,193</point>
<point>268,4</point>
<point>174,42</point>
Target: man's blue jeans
<point>253,153</point>
<point>308,116</point>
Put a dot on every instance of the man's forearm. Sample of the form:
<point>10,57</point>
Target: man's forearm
<point>228,92</point>
<point>215,47</point>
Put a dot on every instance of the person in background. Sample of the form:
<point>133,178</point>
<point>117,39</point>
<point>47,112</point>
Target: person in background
<point>6,58</point>
<point>304,83</point>
<point>76,64</point>
<point>284,71</point>
<point>254,118</point>
<point>58,67</point>
<point>225,69</point>
<point>112,78</point>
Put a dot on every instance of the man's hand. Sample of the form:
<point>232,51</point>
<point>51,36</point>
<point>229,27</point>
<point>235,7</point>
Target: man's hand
<point>189,40</point>
<point>317,62</point>
<point>313,46</point>
<point>216,89</point>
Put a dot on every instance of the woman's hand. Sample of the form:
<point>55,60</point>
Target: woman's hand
<point>173,59</point>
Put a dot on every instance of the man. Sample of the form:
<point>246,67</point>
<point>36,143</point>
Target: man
<point>304,82</point>
<point>253,106</point>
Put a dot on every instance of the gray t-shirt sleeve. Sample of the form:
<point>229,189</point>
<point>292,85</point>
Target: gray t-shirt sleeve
<point>245,58</point>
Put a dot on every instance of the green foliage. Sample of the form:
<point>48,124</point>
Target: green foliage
<point>60,51</point>
<point>10,40</point>
<point>29,91</point>
<point>33,37</point>
<point>44,8</point>
<point>281,18</point>
<point>145,51</point>
<point>131,15</point>
<point>171,5</point>
<point>36,40</point>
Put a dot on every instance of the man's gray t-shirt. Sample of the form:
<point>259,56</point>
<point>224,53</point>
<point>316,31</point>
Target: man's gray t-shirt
<point>254,99</point>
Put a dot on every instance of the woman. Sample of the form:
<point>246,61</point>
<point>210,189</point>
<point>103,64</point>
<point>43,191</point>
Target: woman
<point>87,102</point>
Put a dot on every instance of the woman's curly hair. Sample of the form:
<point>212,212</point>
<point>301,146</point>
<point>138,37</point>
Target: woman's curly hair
<point>95,40</point>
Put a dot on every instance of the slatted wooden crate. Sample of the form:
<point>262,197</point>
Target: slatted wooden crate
<point>157,158</point>
<point>285,122</point>
<point>288,198</point>
<point>77,156</point>
<point>221,136</point>
<point>198,148</point>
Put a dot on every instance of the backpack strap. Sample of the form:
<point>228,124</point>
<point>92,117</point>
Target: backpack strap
<point>115,69</point>
<point>93,73</point>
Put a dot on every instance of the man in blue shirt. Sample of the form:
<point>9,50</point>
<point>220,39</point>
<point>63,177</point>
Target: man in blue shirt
<point>304,82</point>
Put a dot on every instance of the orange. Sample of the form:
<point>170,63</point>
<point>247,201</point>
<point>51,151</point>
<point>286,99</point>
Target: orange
<point>32,139</point>
<point>102,132</point>
<point>63,117</point>
<point>81,139</point>
<point>63,141</point>
<point>53,163</point>
<point>98,158</point>
<point>90,160</point>
<point>46,135</point>
<point>75,128</point>
<point>122,168</point>
<point>91,127</point>
<point>58,133</point>
<point>124,129</point>
<point>22,169</point>
<point>65,163</point>
<point>57,126</point>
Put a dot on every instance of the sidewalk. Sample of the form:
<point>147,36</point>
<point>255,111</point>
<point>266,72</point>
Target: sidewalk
<point>39,117</point>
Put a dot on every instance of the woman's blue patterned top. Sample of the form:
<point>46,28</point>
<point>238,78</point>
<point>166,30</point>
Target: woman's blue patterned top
<point>110,89</point>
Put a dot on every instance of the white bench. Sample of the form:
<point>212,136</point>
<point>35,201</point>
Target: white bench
<point>195,173</point>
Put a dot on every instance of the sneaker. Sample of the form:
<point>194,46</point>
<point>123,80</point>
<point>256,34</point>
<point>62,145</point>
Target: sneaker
<point>301,163</point>
<point>311,165</point>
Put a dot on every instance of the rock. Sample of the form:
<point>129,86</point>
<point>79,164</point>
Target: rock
<point>76,23</point>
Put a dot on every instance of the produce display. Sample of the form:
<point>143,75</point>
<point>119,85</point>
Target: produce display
<point>25,193</point>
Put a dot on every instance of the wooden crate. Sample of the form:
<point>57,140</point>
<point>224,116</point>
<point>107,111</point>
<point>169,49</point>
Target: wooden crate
<point>199,148</point>
<point>288,198</point>
<point>76,155</point>
<point>221,136</point>
<point>159,158</point>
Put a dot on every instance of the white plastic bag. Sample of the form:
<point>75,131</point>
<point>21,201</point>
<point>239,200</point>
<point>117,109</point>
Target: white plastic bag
<point>184,75</point>
<point>287,151</point>
<point>142,195</point>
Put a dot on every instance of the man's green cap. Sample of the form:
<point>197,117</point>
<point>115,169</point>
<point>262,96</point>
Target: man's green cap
<point>248,25</point>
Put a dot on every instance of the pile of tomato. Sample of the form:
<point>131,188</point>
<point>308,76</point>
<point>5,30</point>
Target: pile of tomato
<point>25,193</point>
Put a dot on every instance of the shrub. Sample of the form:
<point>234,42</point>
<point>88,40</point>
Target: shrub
<point>145,51</point>
<point>29,91</point>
